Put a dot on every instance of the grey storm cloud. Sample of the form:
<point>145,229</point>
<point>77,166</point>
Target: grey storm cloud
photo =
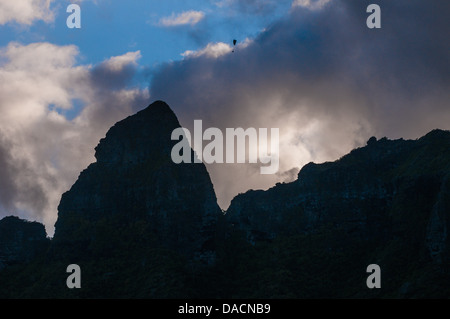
<point>325,79</point>
<point>11,188</point>
<point>103,77</point>
<point>7,172</point>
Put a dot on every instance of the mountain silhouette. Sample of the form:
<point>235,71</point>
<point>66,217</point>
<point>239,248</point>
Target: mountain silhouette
<point>140,226</point>
<point>134,181</point>
<point>387,203</point>
<point>363,193</point>
<point>20,241</point>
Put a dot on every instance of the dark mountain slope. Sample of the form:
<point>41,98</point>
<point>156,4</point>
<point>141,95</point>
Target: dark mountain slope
<point>387,203</point>
<point>20,241</point>
<point>138,225</point>
<point>134,181</point>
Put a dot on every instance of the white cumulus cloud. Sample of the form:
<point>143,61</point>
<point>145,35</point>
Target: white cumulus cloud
<point>25,11</point>
<point>117,63</point>
<point>215,50</point>
<point>191,17</point>
<point>310,4</point>
<point>212,50</point>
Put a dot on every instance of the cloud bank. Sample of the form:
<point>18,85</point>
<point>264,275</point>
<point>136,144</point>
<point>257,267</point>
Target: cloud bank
<point>322,77</point>
<point>52,114</point>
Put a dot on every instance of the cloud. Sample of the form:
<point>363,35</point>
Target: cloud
<point>212,50</point>
<point>117,63</point>
<point>322,77</point>
<point>253,7</point>
<point>185,18</point>
<point>215,50</point>
<point>116,72</point>
<point>310,4</point>
<point>41,150</point>
<point>25,11</point>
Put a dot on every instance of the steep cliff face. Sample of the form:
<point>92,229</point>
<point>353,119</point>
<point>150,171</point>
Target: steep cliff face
<point>20,241</point>
<point>135,188</point>
<point>385,190</point>
<point>387,203</point>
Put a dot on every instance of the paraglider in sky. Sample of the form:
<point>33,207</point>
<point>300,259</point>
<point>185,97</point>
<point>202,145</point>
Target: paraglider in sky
<point>234,43</point>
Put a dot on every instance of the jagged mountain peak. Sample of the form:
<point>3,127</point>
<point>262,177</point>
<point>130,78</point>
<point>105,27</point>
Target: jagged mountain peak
<point>135,181</point>
<point>146,132</point>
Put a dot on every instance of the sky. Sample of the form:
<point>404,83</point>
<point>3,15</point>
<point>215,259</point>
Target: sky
<point>311,68</point>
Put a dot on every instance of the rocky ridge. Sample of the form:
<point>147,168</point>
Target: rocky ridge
<point>143,227</point>
<point>368,193</point>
